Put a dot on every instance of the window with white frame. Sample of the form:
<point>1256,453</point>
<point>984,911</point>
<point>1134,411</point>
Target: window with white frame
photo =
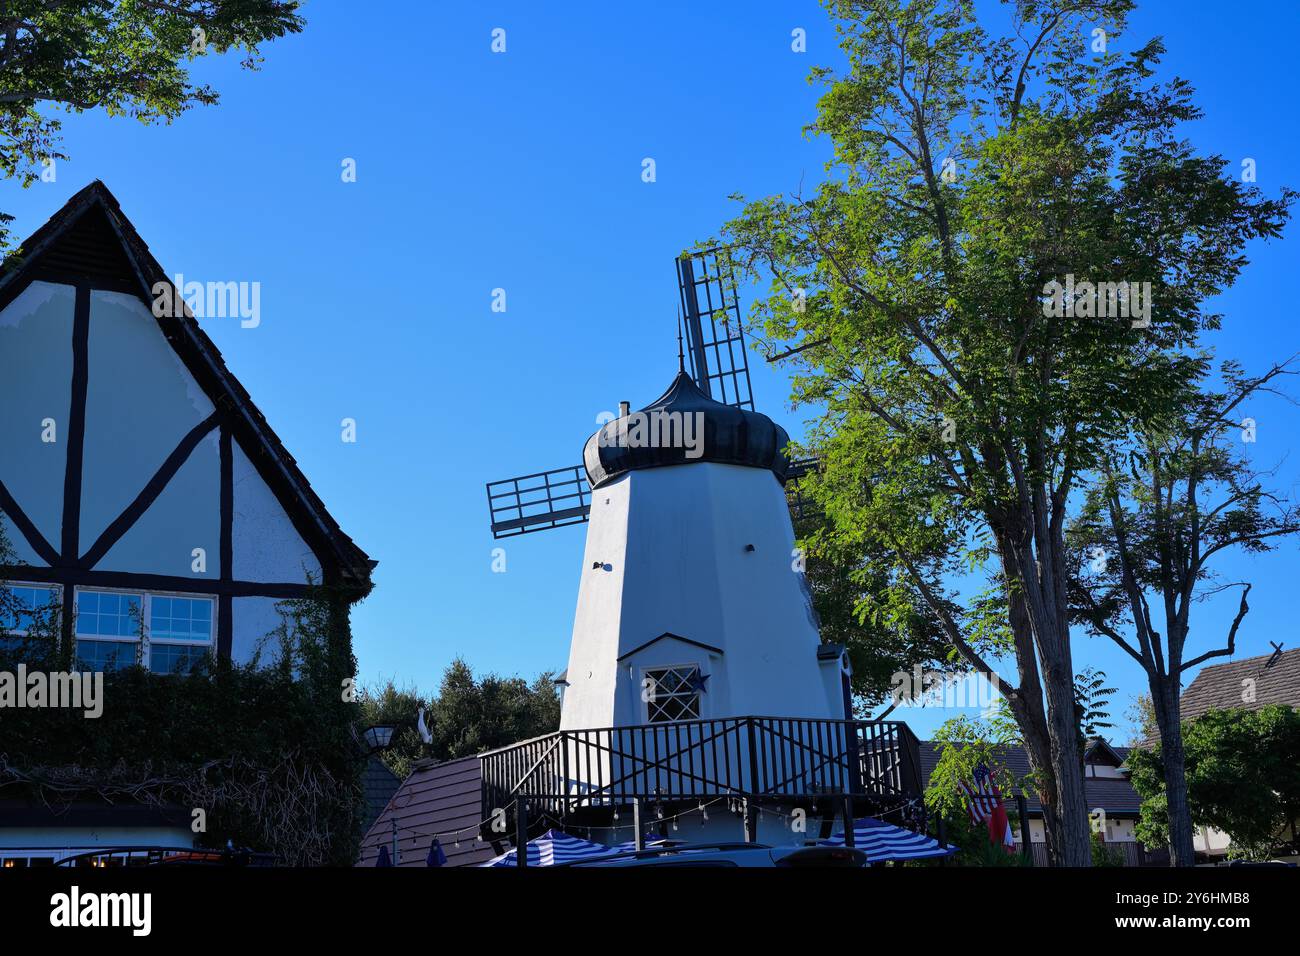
<point>26,601</point>
<point>180,632</point>
<point>177,631</point>
<point>671,693</point>
<point>22,604</point>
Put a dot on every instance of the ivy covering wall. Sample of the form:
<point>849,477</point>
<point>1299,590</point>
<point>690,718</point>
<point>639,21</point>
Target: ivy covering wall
<point>266,750</point>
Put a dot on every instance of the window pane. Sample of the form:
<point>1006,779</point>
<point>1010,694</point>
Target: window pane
<point>672,696</point>
<point>105,655</point>
<point>105,614</point>
<point>181,619</point>
<point>24,603</point>
<point>176,658</point>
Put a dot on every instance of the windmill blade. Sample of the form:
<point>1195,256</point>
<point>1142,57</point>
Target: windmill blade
<point>548,499</point>
<point>715,342</point>
<point>801,506</point>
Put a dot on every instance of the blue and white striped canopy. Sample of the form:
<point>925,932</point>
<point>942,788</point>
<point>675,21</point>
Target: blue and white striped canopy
<point>552,847</point>
<point>882,841</point>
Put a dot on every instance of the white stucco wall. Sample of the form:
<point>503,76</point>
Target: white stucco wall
<point>254,618</point>
<point>35,384</point>
<point>671,548</point>
<point>184,517</point>
<point>140,402</point>
<point>265,543</point>
<point>60,842</point>
<point>717,824</point>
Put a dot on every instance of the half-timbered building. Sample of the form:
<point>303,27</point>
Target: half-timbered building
<point>140,487</point>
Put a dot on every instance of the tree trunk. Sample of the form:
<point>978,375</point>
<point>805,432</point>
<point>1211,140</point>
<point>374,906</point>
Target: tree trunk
<point>1164,699</point>
<point>1075,846</point>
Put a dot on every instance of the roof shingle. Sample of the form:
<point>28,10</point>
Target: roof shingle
<point>1223,686</point>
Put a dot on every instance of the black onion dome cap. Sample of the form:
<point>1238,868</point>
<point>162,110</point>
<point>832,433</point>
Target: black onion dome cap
<point>731,436</point>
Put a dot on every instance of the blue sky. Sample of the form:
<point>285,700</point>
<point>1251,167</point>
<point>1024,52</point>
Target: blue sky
<point>522,171</point>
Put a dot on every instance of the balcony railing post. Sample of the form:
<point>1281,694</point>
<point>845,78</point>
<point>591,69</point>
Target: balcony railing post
<point>521,831</point>
<point>857,783</point>
<point>753,782</point>
<point>846,811</point>
<point>748,808</point>
<point>565,788</point>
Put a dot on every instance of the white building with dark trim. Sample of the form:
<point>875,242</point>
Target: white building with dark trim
<point>139,483</point>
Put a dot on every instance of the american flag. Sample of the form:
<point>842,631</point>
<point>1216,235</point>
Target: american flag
<point>984,803</point>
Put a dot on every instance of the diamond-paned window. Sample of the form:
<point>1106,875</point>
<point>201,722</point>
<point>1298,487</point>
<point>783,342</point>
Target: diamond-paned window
<point>672,693</point>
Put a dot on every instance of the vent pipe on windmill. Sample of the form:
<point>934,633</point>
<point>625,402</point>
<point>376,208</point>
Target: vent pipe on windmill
<point>624,409</point>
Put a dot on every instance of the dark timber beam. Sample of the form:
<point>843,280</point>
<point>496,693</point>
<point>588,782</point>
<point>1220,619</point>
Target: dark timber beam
<point>149,494</point>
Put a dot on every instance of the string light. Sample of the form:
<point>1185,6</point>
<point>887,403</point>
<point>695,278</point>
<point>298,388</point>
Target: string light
<point>912,810</point>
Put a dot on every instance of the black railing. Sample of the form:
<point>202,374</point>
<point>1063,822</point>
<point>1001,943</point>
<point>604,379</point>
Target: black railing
<point>757,758</point>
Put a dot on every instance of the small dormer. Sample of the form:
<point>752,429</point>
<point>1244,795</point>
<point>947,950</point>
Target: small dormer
<point>1101,761</point>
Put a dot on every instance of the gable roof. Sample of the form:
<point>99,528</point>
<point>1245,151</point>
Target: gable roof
<point>1219,686</point>
<point>442,800</point>
<point>1098,749</point>
<point>669,636</point>
<point>1117,797</point>
<point>91,240</point>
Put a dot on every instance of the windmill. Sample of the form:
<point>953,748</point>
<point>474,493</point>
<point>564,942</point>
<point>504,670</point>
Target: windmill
<point>715,354</point>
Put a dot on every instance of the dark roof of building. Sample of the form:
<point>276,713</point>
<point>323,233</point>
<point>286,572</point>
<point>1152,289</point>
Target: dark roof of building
<point>90,239</point>
<point>1221,686</point>
<point>731,435</point>
<point>1116,797</point>
<point>437,799</point>
<point>378,783</point>
<point>1098,748</point>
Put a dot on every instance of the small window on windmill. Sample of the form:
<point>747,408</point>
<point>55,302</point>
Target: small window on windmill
<point>672,693</point>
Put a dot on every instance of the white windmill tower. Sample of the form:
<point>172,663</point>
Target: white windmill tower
<point>696,672</point>
<point>692,602</point>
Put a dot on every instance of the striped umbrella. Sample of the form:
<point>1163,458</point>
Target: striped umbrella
<point>883,841</point>
<point>552,847</point>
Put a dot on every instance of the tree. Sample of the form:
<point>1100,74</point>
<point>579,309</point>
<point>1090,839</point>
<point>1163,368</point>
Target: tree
<point>399,707</point>
<point>884,637</point>
<point>128,57</point>
<point>467,716</point>
<point>964,744</point>
<point>1180,493</point>
<point>962,411</point>
<point>1093,699</point>
<point>1142,715</point>
<point>1243,777</point>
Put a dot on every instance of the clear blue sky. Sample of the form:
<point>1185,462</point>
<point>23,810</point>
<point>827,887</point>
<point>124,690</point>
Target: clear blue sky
<point>522,171</point>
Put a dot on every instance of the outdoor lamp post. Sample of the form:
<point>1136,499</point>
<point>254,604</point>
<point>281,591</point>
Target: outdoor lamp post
<point>378,737</point>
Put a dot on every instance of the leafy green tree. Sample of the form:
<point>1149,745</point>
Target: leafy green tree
<point>1142,715</point>
<point>128,57</point>
<point>1181,492</point>
<point>397,707</point>
<point>1243,777</point>
<point>1103,855</point>
<point>887,632</point>
<point>467,715</point>
<point>959,414</point>
<point>1093,698</point>
<point>964,744</point>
